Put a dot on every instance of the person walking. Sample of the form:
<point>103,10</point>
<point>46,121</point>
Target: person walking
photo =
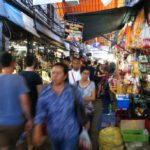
<point>87,88</point>
<point>56,103</point>
<point>33,80</point>
<point>34,83</point>
<point>74,74</point>
<point>14,104</point>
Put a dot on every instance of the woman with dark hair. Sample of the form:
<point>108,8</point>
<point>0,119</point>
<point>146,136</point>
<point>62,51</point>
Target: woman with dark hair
<point>87,88</point>
<point>56,102</point>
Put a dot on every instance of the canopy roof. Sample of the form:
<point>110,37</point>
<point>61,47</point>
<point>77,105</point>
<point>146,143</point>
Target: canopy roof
<point>97,23</point>
<point>86,6</point>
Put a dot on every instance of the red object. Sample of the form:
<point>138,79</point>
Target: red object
<point>146,43</point>
<point>147,125</point>
<point>149,19</point>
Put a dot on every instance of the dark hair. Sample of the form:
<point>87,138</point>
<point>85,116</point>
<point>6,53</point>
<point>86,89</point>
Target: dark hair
<point>84,69</point>
<point>75,58</point>
<point>5,59</point>
<point>67,58</point>
<point>30,60</point>
<point>88,62</point>
<point>62,65</point>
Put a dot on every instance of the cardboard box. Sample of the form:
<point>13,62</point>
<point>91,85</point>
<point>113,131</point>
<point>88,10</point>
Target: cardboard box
<point>132,124</point>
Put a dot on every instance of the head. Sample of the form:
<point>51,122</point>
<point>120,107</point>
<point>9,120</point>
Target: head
<point>89,63</point>
<point>59,73</point>
<point>7,61</point>
<point>30,61</point>
<point>66,61</point>
<point>85,73</point>
<point>76,63</point>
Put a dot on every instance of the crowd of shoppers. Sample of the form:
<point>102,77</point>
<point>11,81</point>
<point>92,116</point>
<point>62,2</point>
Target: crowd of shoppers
<point>25,104</point>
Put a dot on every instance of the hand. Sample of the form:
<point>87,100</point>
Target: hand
<point>87,126</point>
<point>86,98</point>
<point>29,125</point>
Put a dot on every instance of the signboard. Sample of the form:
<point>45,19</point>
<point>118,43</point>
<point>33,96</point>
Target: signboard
<point>44,2</point>
<point>73,32</point>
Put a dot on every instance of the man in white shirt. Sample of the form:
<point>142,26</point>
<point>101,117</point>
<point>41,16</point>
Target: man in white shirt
<point>74,74</point>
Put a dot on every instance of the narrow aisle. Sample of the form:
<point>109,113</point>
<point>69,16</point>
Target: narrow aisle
<point>98,109</point>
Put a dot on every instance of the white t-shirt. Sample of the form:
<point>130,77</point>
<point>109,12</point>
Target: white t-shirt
<point>74,76</point>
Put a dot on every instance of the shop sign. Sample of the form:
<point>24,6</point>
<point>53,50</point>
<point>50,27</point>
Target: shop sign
<point>73,32</point>
<point>44,2</point>
<point>146,43</point>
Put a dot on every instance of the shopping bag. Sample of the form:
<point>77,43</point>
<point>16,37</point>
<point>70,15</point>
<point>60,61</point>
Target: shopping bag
<point>84,140</point>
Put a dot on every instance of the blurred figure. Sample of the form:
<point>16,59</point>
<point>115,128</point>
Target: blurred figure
<point>33,80</point>
<point>87,88</point>
<point>74,74</point>
<point>56,102</point>
<point>92,70</point>
<point>99,74</point>
<point>34,83</point>
<point>14,104</point>
<point>67,62</point>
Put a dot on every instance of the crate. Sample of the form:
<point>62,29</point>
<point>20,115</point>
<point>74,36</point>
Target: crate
<point>135,138</point>
<point>131,135</point>
<point>131,131</point>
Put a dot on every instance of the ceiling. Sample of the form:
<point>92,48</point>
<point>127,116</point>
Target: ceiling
<point>87,6</point>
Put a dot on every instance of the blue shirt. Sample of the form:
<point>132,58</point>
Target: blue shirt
<point>11,88</point>
<point>60,111</point>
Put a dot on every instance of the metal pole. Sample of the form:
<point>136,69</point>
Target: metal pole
<point>1,36</point>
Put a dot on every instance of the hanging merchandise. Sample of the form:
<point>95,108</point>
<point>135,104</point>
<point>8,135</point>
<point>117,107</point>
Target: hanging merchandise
<point>137,28</point>
<point>128,36</point>
<point>146,36</point>
<point>73,32</point>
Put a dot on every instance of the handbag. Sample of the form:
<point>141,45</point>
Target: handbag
<point>79,109</point>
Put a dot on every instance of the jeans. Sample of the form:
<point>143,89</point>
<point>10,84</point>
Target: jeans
<point>65,144</point>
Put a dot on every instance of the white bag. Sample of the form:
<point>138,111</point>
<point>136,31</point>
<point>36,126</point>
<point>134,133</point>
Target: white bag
<point>84,140</point>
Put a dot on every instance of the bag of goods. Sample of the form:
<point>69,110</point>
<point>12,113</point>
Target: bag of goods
<point>110,138</point>
<point>84,140</point>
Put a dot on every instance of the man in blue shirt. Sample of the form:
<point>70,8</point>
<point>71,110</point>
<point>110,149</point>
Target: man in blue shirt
<point>14,104</point>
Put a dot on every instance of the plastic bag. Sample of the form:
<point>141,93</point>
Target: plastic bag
<point>84,140</point>
<point>110,138</point>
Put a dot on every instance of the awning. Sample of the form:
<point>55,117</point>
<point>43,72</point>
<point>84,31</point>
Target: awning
<point>47,32</point>
<point>103,22</point>
<point>19,18</point>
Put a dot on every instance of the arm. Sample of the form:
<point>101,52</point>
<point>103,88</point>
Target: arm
<point>24,100</point>
<point>92,97</point>
<point>40,115</point>
<point>39,88</point>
